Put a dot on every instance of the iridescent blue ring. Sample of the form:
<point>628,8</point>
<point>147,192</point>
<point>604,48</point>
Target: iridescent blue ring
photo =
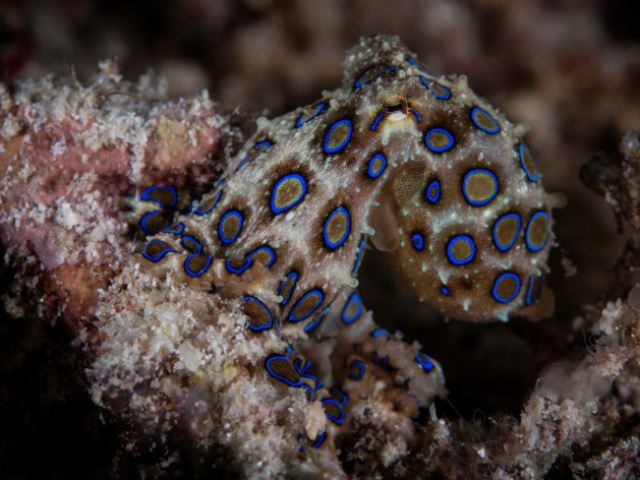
<point>529,300</point>
<point>526,170</point>
<point>199,210</point>
<point>259,327</point>
<point>359,82</point>
<point>317,321</point>
<point>238,271</point>
<point>298,200</point>
<point>338,406</point>
<point>346,140</point>
<point>320,107</point>
<point>434,198</point>
<point>498,280</point>
<point>346,232</point>
<point>418,241</point>
<point>360,373</point>
<point>360,250</point>
<point>145,196</point>
<point>488,130</point>
<point>246,157</point>
<point>226,215</point>
<point>412,61</point>
<point>292,318</point>
<point>464,261</point>
<point>464,186</point>
<point>199,272</point>
<point>384,165</point>
<point>161,254</point>
<point>378,332</point>
<point>504,248</point>
<point>266,249</point>
<point>424,361</point>
<point>295,280</point>
<point>320,440</point>
<point>438,149</point>
<point>273,374</point>
<point>175,232</point>
<point>526,236</point>
<point>427,84</point>
<point>354,298</point>
<point>189,237</point>
<point>143,221</point>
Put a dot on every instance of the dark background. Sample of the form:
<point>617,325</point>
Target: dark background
<point>569,68</point>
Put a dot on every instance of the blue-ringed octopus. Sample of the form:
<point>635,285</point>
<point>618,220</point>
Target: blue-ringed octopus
<point>406,159</point>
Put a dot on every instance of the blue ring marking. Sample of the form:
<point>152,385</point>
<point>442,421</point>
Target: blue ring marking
<point>464,183</point>
<point>320,107</point>
<point>304,385</point>
<point>529,300</point>
<point>189,248</point>
<point>298,363</point>
<point>359,375</point>
<point>246,157</point>
<point>354,297</point>
<point>317,321</point>
<point>418,241</point>
<point>199,210</point>
<point>473,112</point>
<point>435,198</point>
<point>295,280</point>
<point>318,383</point>
<point>375,123</point>
<point>161,254</point>
<point>222,237</point>
<point>275,189</point>
<point>333,401</point>
<point>201,271</point>
<point>424,361</point>
<point>526,236</point>
<point>384,165</point>
<point>292,318</point>
<point>379,331</point>
<point>412,61</point>
<point>177,232</point>
<point>450,246</point>
<point>145,196</point>
<point>259,327</point>
<point>273,374</point>
<point>343,400</point>
<point>446,96</point>
<point>359,256</point>
<point>269,251</point>
<point>444,290</point>
<point>438,149</point>
<point>388,69</point>
<point>346,232</point>
<point>415,112</point>
<point>238,271</point>
<point>498,280</point>
<point>526,171</point>
<point>346,140</point>
<point>143,221</point>
<point>515,237</point>
<point>320,440</point>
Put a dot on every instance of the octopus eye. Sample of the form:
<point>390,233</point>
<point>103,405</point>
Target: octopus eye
<point>306,305</point>
<point>484,121</point>
<point>479,186</point>
<point>166,197</point>
<point>280,367</point>
<point>336,228</point>
<point>505,231</point>
<point>333,410</point>
<point>259,316</point>
<point>372,73</point>
<point>352,310</point>
<point>156,249</point>
<point>506,287</point>
<point>196,265</point>
<point>338,136</point>
<point>230,226</point>
<point>356,370</point>
<point>288,192</point>
<point>527,163</point>
<point>191,244</point>
<point>438,140</point>
<point>537,231</point>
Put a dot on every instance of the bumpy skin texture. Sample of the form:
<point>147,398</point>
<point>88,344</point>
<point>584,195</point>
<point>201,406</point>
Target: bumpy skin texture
<point>412,160</point>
